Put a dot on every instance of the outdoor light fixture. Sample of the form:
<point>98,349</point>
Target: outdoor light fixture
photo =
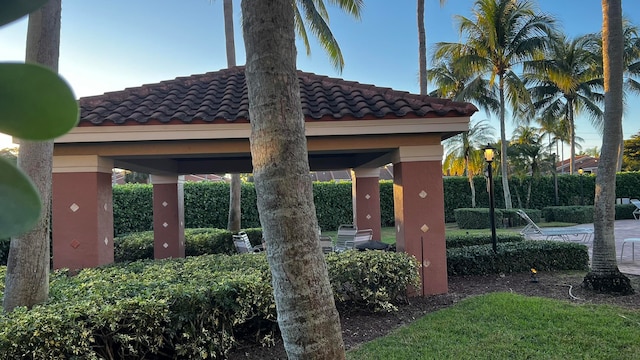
<point>489,154</point>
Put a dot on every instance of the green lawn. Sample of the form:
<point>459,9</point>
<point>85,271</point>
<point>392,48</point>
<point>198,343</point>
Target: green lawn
<point>510,326</point>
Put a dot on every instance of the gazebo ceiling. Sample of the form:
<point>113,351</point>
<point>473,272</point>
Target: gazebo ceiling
<point>200,124</point>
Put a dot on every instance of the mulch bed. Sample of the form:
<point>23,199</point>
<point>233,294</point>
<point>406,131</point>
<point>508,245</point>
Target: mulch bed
<point>358,328</point>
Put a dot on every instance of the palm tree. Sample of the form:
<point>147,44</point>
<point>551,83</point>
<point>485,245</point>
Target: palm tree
<point>464,151</point>
<point>234,222</point>
<point>422,48</point>
<point>604,275</point>
<point>504,33</point>
<point>565,83</point>
<point>27,278</point>
<point>526,155</point>
<point>307,317</point>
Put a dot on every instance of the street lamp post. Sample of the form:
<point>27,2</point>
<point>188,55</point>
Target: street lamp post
<point>489,154</point>
<point>580,172</point>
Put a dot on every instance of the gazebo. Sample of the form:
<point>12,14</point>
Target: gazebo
<point>200,124</point>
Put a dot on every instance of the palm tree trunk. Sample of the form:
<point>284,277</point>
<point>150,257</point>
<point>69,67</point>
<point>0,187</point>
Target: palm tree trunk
<point>604,275</point>
<point>27,278</point>
<point>234,222</point>
<point>503,147</point>
<point>470,177</point>
<point>422,49</point>
<point>308,320</point>
<point>572,136</point>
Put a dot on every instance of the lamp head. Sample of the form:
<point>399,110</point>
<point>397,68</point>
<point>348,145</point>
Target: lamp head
<point>489,153</point>
<point>580,171</point>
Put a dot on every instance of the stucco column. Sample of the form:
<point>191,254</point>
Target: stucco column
<point>82,211</point>
<point>418,194</point>
<point>168,216</point>
<point>366,199</point>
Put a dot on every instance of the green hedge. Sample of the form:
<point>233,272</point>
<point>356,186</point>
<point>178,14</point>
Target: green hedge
<point>478,218</point>
<point>190,308</point>
<point>517,257</point>
<point>139,246</point>
<point>206,203</point>
<point>456,241</point>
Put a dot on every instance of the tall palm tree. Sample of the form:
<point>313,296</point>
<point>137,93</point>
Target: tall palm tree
<point>503,34</point>
<point>234,222</point>
<point>311,15</point>
<point>307,317</point>
<point>566,82</point>
<point>27,278</point>
<point>422,48</point>
<point>604,275</point>
<point>464,151</point>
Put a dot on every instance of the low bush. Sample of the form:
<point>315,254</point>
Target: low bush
<point>517,257</point>
<point>624,211</point>
<point>478,218</point>
<point>189,308</point>
<point>139,246</point>
<point>456,241</point>
<point>4,250</point>
<point>571,214</point>
<point>371,280</point>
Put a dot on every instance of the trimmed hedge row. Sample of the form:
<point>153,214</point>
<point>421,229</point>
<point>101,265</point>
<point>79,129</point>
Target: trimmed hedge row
<point>517,257</point>
<point>457,241</point>
<point>206,203</point>
<point>190,308</point>
<point>478,218</point>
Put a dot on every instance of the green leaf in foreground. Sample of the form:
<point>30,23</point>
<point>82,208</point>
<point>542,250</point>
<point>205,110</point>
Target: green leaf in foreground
<point>36,103</point>
<point>20,201</point>
<point>11,10</point>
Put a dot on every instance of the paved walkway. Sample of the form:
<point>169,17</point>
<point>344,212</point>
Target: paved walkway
<point>624,229</point>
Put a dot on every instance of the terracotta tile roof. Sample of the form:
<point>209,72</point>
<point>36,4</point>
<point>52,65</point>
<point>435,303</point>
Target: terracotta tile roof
<point>221,96</point>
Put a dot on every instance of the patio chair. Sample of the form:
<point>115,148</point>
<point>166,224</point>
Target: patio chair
<point>362,236</point>
<point>243,245</point>
<point>564,233</point>
<point>636,212</point>
<point>326,243</point>
<point>345,238</point>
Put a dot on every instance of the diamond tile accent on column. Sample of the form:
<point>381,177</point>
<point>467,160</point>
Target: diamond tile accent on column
<point>398,228</point>
<point>164,203</point>
<point>106,241</point>
<point>75,243</point>
<point>423,194</point>
<point>426,263</point>
<point>74,207</point>
<point>367,196</point>
<point>424,228</point>
<point>165,245</point>
<point>165,224</point>
<point>368,216</point>
<point>105,207</point>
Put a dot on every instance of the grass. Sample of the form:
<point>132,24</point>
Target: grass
<point>510,326</point>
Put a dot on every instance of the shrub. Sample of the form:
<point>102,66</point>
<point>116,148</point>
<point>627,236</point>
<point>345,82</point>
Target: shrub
<point>371,280</point>
<point>572,214</point>
<point>624,211</point>
<point>456,241</point>
<point>182,308</point>
<point>475,218</point>
<point>517,257</point>
<point>4,250</point>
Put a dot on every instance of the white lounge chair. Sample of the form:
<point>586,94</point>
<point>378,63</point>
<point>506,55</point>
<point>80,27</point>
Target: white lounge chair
<point>636,212</point>
<point>362,236</point>
<point>326,243</point>
<point>564,233</point>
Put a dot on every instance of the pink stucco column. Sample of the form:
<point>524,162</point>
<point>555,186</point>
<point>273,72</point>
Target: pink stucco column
<point>168,217</point>
<point>366,199</point>
<point>418,193</point>
<point>82,212</point>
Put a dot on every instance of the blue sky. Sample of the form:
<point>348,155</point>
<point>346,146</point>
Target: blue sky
<point>108,45</point>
